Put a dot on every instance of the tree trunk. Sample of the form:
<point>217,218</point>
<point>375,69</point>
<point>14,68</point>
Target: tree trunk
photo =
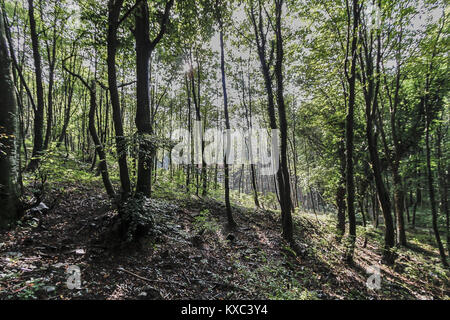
<point>444,178</point>
<point>383,196</point>
<point>254,185</point>
<point>349,134</point>
<point>431,186</point>
<point>231,221</point>
<point>114,8</point>
<point>416,203</point>
<point>285,191</point>
<point>9,191</point>
<point>143,120</point>
<point>261,42</point>
<point>68,89</point>
<point>39,112</point>
<point>340,195</point>
<point>188,167</point>
<point>51,59</point>
<point>248,117</point>
<point>363,214</point>
<point>399,199</point>
<point>98,145</point>
<point>370,77</point>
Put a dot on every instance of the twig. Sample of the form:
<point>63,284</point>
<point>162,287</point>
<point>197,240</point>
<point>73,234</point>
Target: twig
<point>45,254</point>
<point>186,277</point>
<point>148,280</point>
<point>79,230</point>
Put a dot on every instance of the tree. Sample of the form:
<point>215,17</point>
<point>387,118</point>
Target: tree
<point>349,134</point>
<point>144,48</point>
<point>103,166</point>
<point>228,147</point>
<point>51,50</point>
<point>38,142</point>
<point>444,175</point>
<point>431,100</point>
<point>283,178</point>
<point>9,191</point>
<point>370,80</point>
<point>114,21</point>
<point>430,179</point>
<point>285,181</point>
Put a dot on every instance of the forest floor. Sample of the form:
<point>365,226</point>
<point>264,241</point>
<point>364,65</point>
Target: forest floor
<point>192,255</point>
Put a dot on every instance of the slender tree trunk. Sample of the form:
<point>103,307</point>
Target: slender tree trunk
<point>383,195</point>
<point>240,178</point>
<point>428,123</point>
<point>399,200</point>
<point>196,98</point>
<point>114,8</point>
<point>370,78</point>
<point>416,203</point>
<point>295,157</point>
<point>281,177</point>
<point>407,205</point>
<point>431,186</point>
<point>51,55</point>
<point>285,192</point>
<point>444,178</point>
<point>248,117</point>
<point>48,133</point>
<point>98,145</point>
<point>231,221</point>
<point>394,160</point>
<point>39,112</point>
<point>349,134</point>
<point>363,214</point>
<point>69,89</point>
<point>254,185</point>
<point>188,167</point>
<point>340,195</point>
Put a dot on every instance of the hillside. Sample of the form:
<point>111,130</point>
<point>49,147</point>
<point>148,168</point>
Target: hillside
<point>190,254</point>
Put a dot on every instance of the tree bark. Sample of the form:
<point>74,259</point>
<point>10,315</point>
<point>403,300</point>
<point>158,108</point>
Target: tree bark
<point>444,177</point>
<point>285,196</point>
<point>9,191</point>
<point>282,175</point>
<point>114,8</point>
<point>431,180</point>
<point>399,199</point>
<point>98,145</point>
<point>231,221</point>
<point>143,120</point>
<point>370,78</point>
<point>340,194</point>
<point>144,49</point>
<point>39,112</point>
<point>428,123</point>
<point>51,59</point>
<point>349,134</point>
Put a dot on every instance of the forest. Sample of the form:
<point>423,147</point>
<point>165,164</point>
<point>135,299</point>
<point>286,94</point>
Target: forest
<point>224,150</point>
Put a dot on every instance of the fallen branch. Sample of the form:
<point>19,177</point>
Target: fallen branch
<point>148,280</point>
